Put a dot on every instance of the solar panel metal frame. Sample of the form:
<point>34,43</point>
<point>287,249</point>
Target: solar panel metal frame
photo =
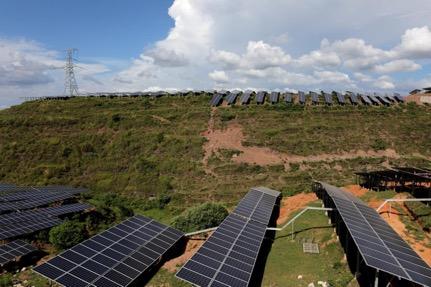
<point>380,246</point>
<point>104,259</point>
<point>10,251</point>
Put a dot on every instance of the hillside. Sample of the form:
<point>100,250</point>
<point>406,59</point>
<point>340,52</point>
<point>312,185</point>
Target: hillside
<point>165,155</point>
<point>149,147</point>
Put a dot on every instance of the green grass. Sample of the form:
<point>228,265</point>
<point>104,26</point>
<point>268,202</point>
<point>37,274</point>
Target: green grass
<point>286,261</point>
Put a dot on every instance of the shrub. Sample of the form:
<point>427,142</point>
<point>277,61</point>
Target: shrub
<point>67,234</point>
<point>203,216</point>
<point>6,280</point>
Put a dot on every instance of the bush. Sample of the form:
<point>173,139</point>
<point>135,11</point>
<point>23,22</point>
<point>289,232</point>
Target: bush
<point>6,280</point>
<point>67,234</point>
<point>204,216</point>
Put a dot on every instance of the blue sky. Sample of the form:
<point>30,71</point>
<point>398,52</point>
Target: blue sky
<point>100,28</point>
<point>141,45</point>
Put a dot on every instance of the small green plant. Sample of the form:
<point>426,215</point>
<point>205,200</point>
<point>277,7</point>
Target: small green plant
<point>67,234</point>
<point>204,216</point>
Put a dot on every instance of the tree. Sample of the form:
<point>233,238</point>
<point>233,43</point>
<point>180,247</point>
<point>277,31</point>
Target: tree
<point>67,234</point>
<point>203,216</point>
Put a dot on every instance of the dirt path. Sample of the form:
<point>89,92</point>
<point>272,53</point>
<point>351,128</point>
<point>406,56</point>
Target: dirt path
<point>293,203</point>
<point>356,190</point>
<point>192,246</point>
<point>161,119</point>
<point>232,138</point>
<point>394,220</point>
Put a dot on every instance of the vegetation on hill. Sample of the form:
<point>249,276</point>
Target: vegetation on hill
<point>145,156</point>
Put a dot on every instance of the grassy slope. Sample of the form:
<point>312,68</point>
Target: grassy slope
<point>121,146</point>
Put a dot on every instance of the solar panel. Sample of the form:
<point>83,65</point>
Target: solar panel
<point>260,97</point>
<point>328,98</point>
<point>366,100</point>
<point>314,98</point>
<point>44,198</point>
<point>274,97</point>
<point>398,98</point>
<point>354,98</point>
<point>14,249</point>
<point>382,99</point>
<point>34,215</point>
<point>115,257</point>
<point>340,98</point>
<point>391,98</point>
<point>301,97</point>
<point>229,255</point>
<point>245,98</point>
<point>374,100</point>
<point>232,98</point>
<point>216,100</point>
<point>380,246</point>
<point>26,227</point>
<point>258,204</point>
<point>288,98</point>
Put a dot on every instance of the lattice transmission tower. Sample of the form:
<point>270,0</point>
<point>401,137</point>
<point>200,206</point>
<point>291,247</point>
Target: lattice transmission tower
<point>70,84</point>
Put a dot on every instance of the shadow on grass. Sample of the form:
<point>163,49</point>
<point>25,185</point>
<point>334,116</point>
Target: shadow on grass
<point>303,230</point>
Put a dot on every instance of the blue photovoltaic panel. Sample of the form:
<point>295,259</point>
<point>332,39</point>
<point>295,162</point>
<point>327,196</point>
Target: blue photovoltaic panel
<point>260,97</point>
<point>229,255</point>
<point>12,250</point>
<point>374,100</point>
<point>231,99</point>
<point>301,97</point>
<point>379,245</point>
<point>216,100</point>
<point>398,98</point>
<point>328,98</point>
<point>115,257</point>
<point>245,98</point>
<point>383,99</point>
<point>340,98</point>
<point>35,201</point>
<point>258,204</point>
<point>288,98</point>
<point>314,98</point>
<point>40,214</point>
<point>13,230</point>
<point>366,100</point>
<point>354,98</point>
<point>273,98</point>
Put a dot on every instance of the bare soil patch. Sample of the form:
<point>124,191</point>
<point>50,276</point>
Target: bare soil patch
<point>192,246</point>
<point>232,137</point>
<point>293,203</point>
<point>356,190</point>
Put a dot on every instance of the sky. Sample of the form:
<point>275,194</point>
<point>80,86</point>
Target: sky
<point>134,45</point>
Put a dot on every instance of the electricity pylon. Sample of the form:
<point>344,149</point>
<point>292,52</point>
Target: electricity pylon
<point>70,84</point>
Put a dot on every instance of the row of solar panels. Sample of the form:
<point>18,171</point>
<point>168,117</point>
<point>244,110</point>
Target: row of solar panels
<point>13,250</point>
<point>13,198</point>
<point>122,254</point>
<point>17,204</point>
<point>229,256</point>
<point>379,245</point>
<point>233,98</point>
